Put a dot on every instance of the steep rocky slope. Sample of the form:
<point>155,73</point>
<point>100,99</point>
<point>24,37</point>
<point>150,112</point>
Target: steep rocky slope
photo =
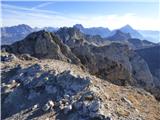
<point>139,44</point>
<point>115,63</point>
<point>45,90</point>
<point>43,44</point>
<point>152,56</point>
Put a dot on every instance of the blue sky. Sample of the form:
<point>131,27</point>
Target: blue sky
<point>140,15</point>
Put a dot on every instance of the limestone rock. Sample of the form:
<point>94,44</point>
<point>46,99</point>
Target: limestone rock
<point>116,63</point>
<point>43,45</point>
<point>67,109</point>
<point>46,107</point>
<point>49,105</point>
<point>94,106</point>
<point>7,57</point>
<point>35,107</point>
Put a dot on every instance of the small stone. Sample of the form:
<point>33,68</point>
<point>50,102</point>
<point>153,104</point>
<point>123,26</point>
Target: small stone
<point>77,105</point>
<point>88,96</point>
<point>95,106</point>
<point>122,112</point>
<point>108,118</point>
<point>127,101</point>
<point>106,106</point>
<point>8,86</point>
<point>64,101</point>
<point>18,84</point>
<point>3,84</point>
<point>46,78</point>
<point>66,97</point>
<point>7,57</point>
<point>12,82</point>
<point>61,107</point>
<point>99,117</point>
<point>35,107</point>
<point>46,107</point>
<point>21,74</point>
<point>137,110</point>
<point>67,109</point>
<point>51,103</point>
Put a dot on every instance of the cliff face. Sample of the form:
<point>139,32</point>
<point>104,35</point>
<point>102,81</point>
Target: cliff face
<point>152,56</point>
<point>115,63</point>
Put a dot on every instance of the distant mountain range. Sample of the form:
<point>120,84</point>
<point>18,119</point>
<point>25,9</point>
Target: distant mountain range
<point>119,36</point>
<point>134,33</point>
<point>12,34</point>
<point>125,38</point>
<point>128,30</point>
<point>151,35</point>
<point>103,32</point>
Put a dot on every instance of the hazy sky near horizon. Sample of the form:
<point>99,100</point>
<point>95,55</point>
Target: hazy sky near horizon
<point>140,15</point>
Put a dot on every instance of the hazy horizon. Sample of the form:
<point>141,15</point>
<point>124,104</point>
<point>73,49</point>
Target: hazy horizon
<point>75,24</point>
<point>113,15</point>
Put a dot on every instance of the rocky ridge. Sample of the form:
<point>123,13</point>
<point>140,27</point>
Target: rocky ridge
<point>73,36</point>
<point>46,89</point>
<point>41,45</point>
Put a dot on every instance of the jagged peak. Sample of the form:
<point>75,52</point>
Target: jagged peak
<point>127,26</point>
<point>79,26</point>
<point>119,32</point>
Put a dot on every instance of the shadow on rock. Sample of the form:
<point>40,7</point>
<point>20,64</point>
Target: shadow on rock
<point>39,91</point>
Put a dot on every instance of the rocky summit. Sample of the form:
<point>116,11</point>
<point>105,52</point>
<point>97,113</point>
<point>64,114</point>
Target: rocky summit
<point>52,89</point>
<point>41,45</point>
<point>67,76</point>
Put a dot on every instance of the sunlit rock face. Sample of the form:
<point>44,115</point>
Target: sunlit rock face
<point>43,45</point>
